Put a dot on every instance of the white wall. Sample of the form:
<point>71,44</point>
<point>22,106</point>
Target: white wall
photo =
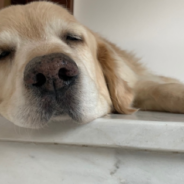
<point>153,29</point>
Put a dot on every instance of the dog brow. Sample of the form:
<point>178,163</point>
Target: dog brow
<point>8,39</point>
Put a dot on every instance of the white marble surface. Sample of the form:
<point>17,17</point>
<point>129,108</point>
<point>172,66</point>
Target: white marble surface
<point>115,149</point>
<point>26,163</point>
<point>143,130</point>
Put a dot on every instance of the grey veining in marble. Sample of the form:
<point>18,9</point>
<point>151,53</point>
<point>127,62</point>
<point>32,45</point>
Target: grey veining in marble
<point>57,164</point>
<point>96,153</point>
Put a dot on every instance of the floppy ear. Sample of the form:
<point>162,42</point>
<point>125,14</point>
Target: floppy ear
<point>121,94</point>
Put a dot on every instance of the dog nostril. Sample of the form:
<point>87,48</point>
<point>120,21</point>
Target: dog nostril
<point>63,74</point>
<point>40,80</point>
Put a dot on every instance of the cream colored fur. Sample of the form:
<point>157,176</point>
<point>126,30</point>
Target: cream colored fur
<point>112,80</point>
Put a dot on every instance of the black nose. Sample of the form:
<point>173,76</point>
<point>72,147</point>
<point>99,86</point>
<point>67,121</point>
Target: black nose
<point>50,72</point>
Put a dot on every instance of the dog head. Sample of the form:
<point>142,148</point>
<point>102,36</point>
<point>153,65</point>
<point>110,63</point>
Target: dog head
<point>51,65</point>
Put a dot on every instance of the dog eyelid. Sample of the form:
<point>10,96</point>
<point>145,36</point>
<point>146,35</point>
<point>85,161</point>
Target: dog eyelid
<point>73,37</point>
<point>4,53</point>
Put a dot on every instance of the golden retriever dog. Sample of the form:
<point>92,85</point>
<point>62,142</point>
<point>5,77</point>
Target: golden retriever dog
<point>52,66</point>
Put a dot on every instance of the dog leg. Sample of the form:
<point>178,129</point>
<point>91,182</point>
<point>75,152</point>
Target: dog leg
<point>164,95</point>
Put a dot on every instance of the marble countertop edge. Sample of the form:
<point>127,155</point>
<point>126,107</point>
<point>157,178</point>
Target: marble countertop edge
<point>141,131</point>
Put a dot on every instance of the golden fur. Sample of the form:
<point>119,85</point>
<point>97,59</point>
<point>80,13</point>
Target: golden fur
<point>112,80</point>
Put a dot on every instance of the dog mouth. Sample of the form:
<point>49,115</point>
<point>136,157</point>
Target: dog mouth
<point>55,103</point>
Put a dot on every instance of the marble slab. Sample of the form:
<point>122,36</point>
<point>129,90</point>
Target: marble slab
<point>27,163</point>
<point>142,130</point>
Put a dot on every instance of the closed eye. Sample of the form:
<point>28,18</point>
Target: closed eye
<point>4,54</point>
<point>73,38</point>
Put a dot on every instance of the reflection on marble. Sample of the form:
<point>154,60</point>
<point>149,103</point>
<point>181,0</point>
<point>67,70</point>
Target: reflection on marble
<point>26,163</point>
<point>150,116</point>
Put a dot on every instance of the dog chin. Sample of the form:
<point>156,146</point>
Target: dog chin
<point>29,123</point>
<point>75,120</point>
<point>39,114</point>
<point>38,121</point>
